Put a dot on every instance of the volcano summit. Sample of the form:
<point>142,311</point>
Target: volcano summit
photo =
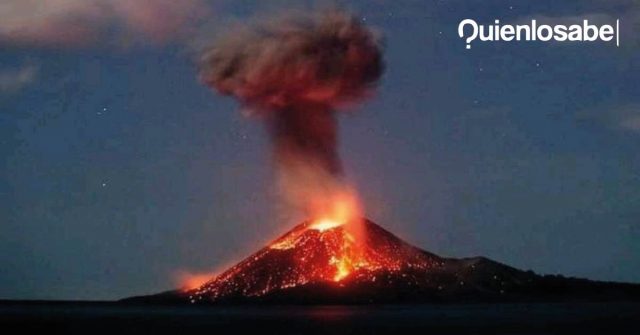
<point>325,262</point>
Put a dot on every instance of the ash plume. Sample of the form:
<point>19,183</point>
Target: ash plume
<point>294,72</point>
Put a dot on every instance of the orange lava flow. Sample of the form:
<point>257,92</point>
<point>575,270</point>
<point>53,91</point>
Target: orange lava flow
<point>338,247</point>
<point>190,281</point>
<point>343,256</point>
<point>329,249</point>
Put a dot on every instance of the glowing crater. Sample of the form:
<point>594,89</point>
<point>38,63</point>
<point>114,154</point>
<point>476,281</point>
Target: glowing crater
<point>325,224</point>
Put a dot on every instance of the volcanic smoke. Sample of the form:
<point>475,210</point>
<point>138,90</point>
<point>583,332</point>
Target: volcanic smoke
<point>294,72</point>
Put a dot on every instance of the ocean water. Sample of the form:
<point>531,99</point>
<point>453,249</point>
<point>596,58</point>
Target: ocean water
<point>108,318</point>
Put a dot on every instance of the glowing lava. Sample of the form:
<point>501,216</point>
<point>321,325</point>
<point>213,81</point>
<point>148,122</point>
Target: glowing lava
<point>323,252</point>
<point>345,249</point>
<point>343,268</point>
<point>190,281</point>
<point>340,246</point>
<point>325,224</point>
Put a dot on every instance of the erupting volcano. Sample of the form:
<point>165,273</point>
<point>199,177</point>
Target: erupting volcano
<point>321,253</point>
<point>329,262</point>
<point>295,73</point>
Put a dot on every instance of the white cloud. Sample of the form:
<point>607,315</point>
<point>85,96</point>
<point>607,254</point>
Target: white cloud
<point>13,80</point>
<point>74,22</point>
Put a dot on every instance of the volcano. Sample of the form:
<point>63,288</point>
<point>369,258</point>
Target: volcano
<point>325,262</point>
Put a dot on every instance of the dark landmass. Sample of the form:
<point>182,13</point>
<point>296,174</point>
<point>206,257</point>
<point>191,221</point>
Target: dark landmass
<point>405,275</point>
<point>390,287</point>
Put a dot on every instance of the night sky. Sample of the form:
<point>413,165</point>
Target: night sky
<point>120,171</point>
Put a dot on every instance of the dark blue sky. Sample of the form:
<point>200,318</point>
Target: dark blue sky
<point>119,169</point>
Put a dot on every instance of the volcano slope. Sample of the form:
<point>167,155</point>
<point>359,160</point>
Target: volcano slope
<point>328,264</point>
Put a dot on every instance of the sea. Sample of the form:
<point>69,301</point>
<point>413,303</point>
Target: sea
<point>116,318</point>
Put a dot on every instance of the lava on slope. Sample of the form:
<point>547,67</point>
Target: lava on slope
<point>325,262</point>
<point>322,253</point>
